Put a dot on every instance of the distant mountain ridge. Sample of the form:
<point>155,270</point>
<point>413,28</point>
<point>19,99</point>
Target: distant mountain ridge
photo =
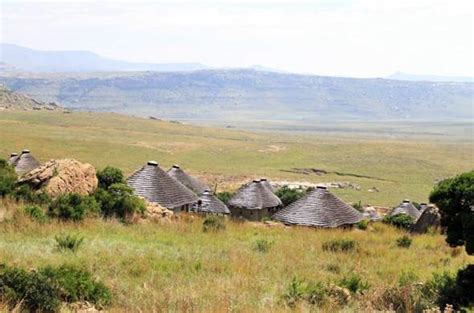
<point>79,61</point>
<point>249,95</point>
<point>430,78</point>
<point>10,100</point>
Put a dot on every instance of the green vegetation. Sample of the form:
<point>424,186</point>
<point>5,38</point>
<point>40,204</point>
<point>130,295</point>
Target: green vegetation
<point>68,242</point>
<point>455,199</point>
<point>110,176</point>
<point>36,213</point>
<point>7,178</point>
<point>340,245</point>
<point>73,206</point>
<point>402,221</point>
<point>354,284</point>
<point>288,195</point>
<point>213,223</point>
<point>404,242</point>
<point>118,200</point>
<point>262,245</point>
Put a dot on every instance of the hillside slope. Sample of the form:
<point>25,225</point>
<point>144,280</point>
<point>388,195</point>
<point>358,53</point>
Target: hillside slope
<point>250,95</point>
<point>10,100</point>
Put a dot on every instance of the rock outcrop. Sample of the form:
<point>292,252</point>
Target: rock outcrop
<point>156,211</point>
<point>430,218</point>
<point>62,176</point>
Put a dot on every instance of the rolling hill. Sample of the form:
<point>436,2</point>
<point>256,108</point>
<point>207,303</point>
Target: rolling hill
<point>10,100</point>
<point>230,95</point>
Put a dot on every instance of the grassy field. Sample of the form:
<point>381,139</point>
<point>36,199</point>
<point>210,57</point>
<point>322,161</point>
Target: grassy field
<point>399,168</point>
<point>176,267</point>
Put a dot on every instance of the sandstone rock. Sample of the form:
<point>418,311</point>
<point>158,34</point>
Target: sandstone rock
<point>62,176</point>
<point>154,210</point>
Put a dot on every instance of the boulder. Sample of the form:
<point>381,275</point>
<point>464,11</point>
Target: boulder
<point>156,211</point>
<point>430,218</point>
<point>62,176</point>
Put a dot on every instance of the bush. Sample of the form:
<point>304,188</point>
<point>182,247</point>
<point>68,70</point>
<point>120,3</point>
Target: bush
<point>7,178</point>
<point>314,293</point>
<point>44,289</point>
<point>225,196</point>
<point>25,193</point>
<point>213,223</point>
<point>404,242</point>
<point>119,201</point>
<point>363,225</point>
<point>73,206</point>
<point>68,242</point>
<point>339,245</point>
<point>262,245</point>
<point>358,206</point>
<point>354,283</point>
<point>36,213</point>
<point>288,196</point>
<point>109,176</point>
<point>402,221</point>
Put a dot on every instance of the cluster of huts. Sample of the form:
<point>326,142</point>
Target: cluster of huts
<point>255,201</point>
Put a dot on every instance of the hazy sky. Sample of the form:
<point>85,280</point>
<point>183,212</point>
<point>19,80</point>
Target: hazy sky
<point>361,38</point>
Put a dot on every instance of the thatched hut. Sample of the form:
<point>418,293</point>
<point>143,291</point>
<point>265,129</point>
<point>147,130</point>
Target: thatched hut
<point>254,202</point>
<point>12,159</point>
<point>190,182</point>
<point>406,207</point>
<point>430,218</point>
<point>24,162</point>
<point>154,184</point>
<point>208,203</point>
<point>319,208</point>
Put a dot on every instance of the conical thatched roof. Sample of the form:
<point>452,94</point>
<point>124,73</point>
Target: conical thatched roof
<point>208,203</point>
<point>192,183</point>
<point>155,185</point>
<point>25,162</point>
<point>267,184</point>
<point>254,196</point>
<point>319,208</point>
<point>406,207</point>
<point>429,218</point>
<point>12,159</point>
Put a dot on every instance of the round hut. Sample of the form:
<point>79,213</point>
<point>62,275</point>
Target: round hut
<point>267,184</point>
<point>319,208</point>
<point>406,207</point>
<point>25,162</point>
<point>154,184</point>
<point>208,203</point>
<point>430,218</point>
<point>189,181</point>
<point>13,158</point>
<point>254,202</point>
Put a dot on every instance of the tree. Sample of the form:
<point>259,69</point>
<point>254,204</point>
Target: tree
<point>109,176</point>
<point>118,200</point>
<point>455,200</point>
<point>7,178</point>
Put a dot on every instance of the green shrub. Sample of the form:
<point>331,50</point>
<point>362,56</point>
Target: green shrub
<point>402,221</point>
<point>358,206</point>
<point>339,245</point>
<point>288,195</point>
<point>7,178</point>
<point>213,223</point>
<point>404,242</point>
<point>119,201</point>
<point>262,245</point>
<point>68,242</point>
<point>44,289</point>
<point>25,193</point>
<point>407,278</point>
<point>73,206</point>
<point>314,293</point>
<point>354,284</point>
<point>225,196</point>
<point>109,176</point>
<point>363,225</point>
<point>36,213</point>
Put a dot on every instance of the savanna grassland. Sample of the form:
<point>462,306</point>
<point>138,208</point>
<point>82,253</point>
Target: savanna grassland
<point>399,168</point>
<point>176,267</point>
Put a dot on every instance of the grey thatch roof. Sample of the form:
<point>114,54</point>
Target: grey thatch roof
<point>192,183</point>
<point>209,203</point>
<point>267,184</point>
<point>154,184</point>
<point>429,218</point>
<point>12,159</point>
<point>406,207</point>
<point>254,196</point>
<point>25,162</point>
<point>319,208</point>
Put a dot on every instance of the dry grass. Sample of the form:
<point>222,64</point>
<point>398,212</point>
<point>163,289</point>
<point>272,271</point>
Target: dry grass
<point>177,267</point>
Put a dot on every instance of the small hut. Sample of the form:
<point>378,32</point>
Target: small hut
<point>24,162</point>
<point>208,203</point>
<point>406,207</point>
<point>254,202</point>
<point>12,159</point>
<point>190,182</point>
<point>319,208</point>
<point>430,218</point>
<point>154,184</point>
<point>267,184</point>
